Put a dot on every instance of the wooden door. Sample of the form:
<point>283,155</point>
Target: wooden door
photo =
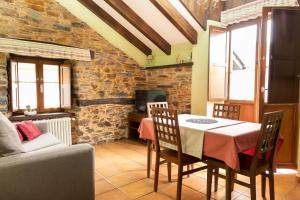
<point>284,57</point>
<point>243,68</point>
<point>280,53</point>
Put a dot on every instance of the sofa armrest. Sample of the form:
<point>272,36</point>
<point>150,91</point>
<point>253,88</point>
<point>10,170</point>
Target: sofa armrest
<point>60,174</point>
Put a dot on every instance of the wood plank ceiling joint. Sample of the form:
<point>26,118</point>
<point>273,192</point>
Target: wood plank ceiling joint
<point>130,15</point>
<point>195,10</point>
<point>172,14</point>
<point>109,20</point>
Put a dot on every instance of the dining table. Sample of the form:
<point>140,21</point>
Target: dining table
<point>217,138</point>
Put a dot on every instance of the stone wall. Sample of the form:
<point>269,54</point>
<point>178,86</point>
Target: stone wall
<point>3,83</point>
<point>111,75</point>
<point>176,81</point>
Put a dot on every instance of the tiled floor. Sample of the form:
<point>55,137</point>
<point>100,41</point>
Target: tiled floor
<point>121,175</point>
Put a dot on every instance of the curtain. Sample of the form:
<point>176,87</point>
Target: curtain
<point>45,50</point>
<point>252,10</point>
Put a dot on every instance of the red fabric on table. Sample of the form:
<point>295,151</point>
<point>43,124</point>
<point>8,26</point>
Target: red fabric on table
<point>146,129</point>
<point>29,130</point>
<point>226,143</point>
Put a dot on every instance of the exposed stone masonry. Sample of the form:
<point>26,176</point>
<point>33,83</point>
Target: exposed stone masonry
<point>112,74</point>
<point>3,83</point>
<point>176,81</point>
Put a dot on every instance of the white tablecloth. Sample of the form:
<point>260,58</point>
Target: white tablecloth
<point>192,134</point>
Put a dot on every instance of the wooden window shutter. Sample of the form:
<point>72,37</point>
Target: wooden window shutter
<point>284,56</point>
<point>65,85</point>
<point>218,64</point>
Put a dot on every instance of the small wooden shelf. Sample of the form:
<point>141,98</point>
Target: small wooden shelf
<point>187,64</point>
<point>18,118</point>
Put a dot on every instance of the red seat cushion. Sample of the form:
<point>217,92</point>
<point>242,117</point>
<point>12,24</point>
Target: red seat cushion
<point>251,151</point>
<point>29,130</point>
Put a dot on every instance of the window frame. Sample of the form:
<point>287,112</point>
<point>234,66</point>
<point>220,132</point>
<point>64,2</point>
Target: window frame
<point>226,85</point>
<point>39,62</point>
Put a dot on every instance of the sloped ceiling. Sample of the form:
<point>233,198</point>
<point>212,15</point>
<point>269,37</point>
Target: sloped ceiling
<point>145,20</point>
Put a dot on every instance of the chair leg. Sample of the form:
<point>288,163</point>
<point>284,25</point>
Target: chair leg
<point>169,171</point>
<point>263,185</point>
<point>209,181</point>
<point>149,157</point>
<point>188,168</point>
<point>216,179</point>
<point>271,184</point>
<point>228,182</point>
<point>157,158</point>
<point>253,187</point>
<point>233,177</point>
<point>179,182</point>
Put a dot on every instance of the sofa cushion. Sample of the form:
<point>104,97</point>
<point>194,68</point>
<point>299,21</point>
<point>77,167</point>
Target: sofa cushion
<point>42,141</point>
<point>19,134</point>
<point>29,130</point>
<point>10,143</point>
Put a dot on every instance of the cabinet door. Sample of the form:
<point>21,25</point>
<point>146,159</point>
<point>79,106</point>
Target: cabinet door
<point>284,56</point>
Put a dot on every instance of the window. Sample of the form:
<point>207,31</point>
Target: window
<point>243,63</point>
<point>41,84</point>
<point>240,45</point>
<point>218,62</point>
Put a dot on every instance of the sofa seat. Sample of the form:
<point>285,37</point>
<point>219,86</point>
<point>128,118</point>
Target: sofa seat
<point>43,141</point>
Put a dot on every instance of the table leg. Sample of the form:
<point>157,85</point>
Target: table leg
<point>149,157</point>
<point>228,182</point>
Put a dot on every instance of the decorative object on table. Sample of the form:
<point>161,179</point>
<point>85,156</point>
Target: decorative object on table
<point>202,121</point>
<point>29,111</point>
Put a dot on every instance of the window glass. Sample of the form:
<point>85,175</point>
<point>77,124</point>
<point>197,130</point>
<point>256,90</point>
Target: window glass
<point>26,86</point>
<point>269,28</point>
<point>218,65</point>
<point>51,86</point>
<point>243,63</point>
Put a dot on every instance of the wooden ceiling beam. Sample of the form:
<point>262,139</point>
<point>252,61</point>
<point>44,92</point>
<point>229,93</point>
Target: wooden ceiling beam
<point>140,24</point>
<point>172,14</point>
<point>104,16</point>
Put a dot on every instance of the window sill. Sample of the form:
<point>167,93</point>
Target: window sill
<point>18,118</point>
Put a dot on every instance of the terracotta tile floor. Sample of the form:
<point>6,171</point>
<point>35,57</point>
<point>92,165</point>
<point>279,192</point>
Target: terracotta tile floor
<point>121,175</point>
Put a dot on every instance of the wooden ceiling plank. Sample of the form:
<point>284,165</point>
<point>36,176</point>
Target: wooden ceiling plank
<point>140,24</point>
<point>194,9</point>
<point>172,14</point>
<point>104,16</point>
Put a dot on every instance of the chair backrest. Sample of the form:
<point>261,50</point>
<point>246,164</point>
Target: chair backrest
<point>227,111</point>
<point>166,127</point>
<point>151,105</point>
<point>267,141</point>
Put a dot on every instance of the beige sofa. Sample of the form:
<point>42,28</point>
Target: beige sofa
<point>49,170</point>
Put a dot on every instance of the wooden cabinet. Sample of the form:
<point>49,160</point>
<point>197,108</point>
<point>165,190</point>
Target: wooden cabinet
<point>134,120</point>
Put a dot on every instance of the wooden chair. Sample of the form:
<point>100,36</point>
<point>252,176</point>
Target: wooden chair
<point>151,105</point>
<point>259,164</point>
<point>150,145</point>
<point>227,111</point>
<point>166,128</point>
